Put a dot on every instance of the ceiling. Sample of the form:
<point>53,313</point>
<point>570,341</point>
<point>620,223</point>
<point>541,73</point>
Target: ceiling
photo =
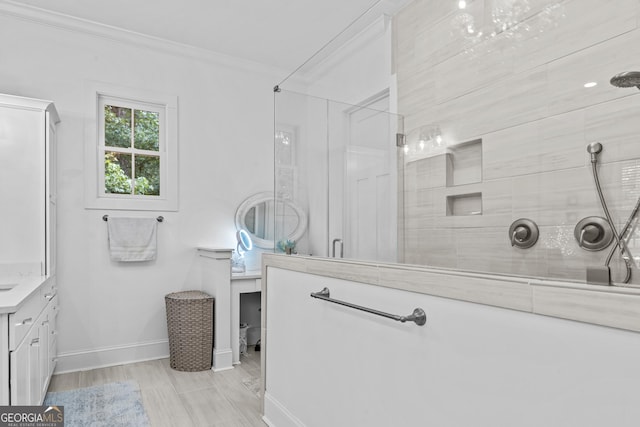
<point>279,33</point>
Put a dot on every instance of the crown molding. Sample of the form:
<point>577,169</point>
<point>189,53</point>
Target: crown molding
<point>78,25</point>
<point>369,26</point>
<point>374,31</point>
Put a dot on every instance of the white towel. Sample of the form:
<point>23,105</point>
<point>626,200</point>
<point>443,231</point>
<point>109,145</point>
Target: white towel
<point>132,239</point>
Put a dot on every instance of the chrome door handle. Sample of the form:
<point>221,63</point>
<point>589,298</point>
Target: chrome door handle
<point>341,248</point>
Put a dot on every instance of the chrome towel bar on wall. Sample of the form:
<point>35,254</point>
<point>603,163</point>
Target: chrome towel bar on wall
<point>106,218</point>
<point>418,316</point>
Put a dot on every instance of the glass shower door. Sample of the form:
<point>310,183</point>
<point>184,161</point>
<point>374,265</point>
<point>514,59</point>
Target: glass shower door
<point>362,181</point>
<point>338,163</point>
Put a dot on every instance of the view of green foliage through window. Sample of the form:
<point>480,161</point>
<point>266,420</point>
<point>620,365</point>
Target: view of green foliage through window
<point>132,151</point>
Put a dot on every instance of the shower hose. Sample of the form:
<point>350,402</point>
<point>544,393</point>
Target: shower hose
<point>619,237</point>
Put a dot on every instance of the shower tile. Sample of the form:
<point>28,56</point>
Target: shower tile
<point>620,182</point>
<point>514,100</point>
<point>286,261</point>
<point>562,256</point>
<point>615,124</point>
<point>593,306</point>
<point>415,89</point>
<point>430,246</point>
<point>357,272</point>
<point>435,44</point>
<point>422,208</point>
<point>496,205</point>
<point>489,250</point>
<point>550,144</point>
<point>463,74</point>
<point>421,115</point>
<point>555,198</point>
<point>597,63</point>
<point>430,172</point>
<point>528,104</point>
<point>489,290</point>
<point>424,31</point>
<point>586,23</point>
<point>496,201</point>
<point>428,207</point>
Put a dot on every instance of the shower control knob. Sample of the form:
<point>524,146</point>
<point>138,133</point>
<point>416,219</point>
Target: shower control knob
<point>520,234</point>
<point>593,233</point>
<point>590,233</point>
<point>523,233</point>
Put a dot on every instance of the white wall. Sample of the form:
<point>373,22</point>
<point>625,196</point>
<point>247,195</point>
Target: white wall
<point>470,365</point>
<point>113,313</point>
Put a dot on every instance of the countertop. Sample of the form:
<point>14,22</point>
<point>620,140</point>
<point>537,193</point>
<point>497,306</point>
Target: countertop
<point>249,274</point>
<point>10,300</point>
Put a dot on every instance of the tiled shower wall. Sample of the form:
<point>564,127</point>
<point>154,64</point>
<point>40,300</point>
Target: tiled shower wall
<point>521,106</point>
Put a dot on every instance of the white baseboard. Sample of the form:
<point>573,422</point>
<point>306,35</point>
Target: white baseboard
<point>276,415</point>
<point>111,356</point>
<point>222,359</point>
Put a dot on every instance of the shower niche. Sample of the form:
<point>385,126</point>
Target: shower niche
<point>463,167</point>
<point>464,204</point>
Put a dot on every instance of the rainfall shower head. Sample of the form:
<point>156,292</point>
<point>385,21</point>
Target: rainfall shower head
<point>626,79</point>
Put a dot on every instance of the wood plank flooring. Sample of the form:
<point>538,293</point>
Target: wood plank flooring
<point>174,398</point>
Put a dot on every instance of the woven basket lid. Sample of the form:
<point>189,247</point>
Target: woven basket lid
<point>189,295</point>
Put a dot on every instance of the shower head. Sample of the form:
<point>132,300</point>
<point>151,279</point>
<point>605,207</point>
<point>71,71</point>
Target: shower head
<point>626,79</point>
<point>594,149</point>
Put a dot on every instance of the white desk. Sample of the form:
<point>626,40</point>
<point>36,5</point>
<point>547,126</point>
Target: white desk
<point>249,281</point>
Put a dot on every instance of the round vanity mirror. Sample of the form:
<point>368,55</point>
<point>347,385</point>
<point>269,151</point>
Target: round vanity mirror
<point>257,215</point>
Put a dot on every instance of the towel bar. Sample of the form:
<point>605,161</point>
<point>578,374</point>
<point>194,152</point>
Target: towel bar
<point>418,316</point>
<point>159,219</point>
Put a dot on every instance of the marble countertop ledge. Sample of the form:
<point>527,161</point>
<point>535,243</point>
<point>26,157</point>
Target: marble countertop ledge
<point>612,306</point>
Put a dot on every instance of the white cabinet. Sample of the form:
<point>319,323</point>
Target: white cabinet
<point>27,174</point>
<point>32,346</point>
<point>28,230</point>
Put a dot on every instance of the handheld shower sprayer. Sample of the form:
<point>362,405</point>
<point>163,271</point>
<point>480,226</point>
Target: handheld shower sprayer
<point>594,149</point>
<point>602,275</point>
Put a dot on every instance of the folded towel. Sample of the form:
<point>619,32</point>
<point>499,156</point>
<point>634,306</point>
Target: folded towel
<point>132,239</point>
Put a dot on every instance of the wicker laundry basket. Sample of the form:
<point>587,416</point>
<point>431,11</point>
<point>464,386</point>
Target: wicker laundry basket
<point>190,326</point>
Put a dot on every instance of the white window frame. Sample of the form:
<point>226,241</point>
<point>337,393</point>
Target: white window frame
<point>167,107</point>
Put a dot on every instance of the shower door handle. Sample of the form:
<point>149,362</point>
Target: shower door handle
<point>341,248</point>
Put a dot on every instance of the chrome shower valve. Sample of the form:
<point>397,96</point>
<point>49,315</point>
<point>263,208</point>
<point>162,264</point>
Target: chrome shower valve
<point>593,233</point>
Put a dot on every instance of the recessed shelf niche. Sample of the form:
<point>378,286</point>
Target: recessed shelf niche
<point>464,163</point>
<point>464,204</point>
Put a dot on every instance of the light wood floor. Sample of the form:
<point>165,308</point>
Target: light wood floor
<point>173,398</point>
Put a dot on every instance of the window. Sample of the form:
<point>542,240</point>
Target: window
<point>131,147</point>
<point>134,154</point>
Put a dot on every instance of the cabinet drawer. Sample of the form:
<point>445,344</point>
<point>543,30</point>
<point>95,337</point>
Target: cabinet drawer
<point>22,320</point>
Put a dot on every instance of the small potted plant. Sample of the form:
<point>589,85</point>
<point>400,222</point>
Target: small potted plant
<point>287,246</point>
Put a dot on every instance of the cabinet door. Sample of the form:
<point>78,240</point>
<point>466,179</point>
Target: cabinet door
<point>25,370</point>
<point>48,344</point>
<point>22,156</point>
<point>43,356</point>
<point>35,391</point>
